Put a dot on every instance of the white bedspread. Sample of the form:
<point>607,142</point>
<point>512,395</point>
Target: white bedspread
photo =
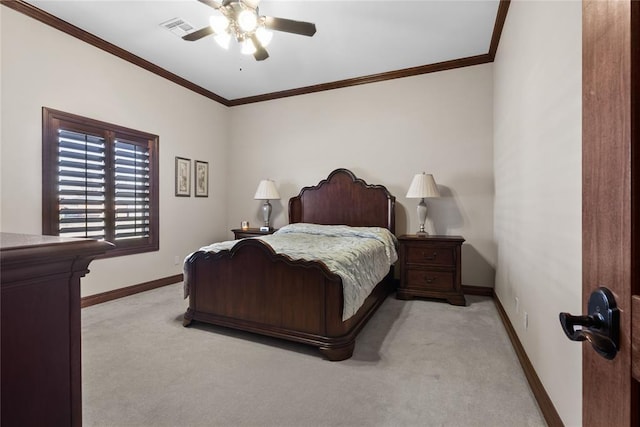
<point>361,256</point>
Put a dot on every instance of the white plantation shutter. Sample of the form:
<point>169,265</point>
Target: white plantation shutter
<point>100,181</point>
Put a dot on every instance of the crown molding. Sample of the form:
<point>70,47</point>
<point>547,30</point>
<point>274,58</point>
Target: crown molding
<point>72,30</point>
<point>374,78</point>
<point>501,16</point>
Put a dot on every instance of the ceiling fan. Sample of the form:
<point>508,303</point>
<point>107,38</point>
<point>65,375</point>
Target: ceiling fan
<point>241,20</point>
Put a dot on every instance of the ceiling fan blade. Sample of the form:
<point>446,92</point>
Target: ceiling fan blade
<point>251,3</point>
<point>198,34</point>
<point>211,3</point>
<point>261,53</point>
<point>290,26</point>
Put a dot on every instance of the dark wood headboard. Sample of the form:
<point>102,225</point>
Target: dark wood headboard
<point>344,199</point>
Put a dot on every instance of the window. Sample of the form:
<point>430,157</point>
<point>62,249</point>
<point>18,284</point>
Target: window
<point>99,181</point>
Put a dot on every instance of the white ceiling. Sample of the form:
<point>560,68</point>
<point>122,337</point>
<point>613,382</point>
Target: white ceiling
<point>354,38</point>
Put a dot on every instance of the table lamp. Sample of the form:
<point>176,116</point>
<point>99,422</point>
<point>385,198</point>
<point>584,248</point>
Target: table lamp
<point>266,191</point>
<point>423,185</point>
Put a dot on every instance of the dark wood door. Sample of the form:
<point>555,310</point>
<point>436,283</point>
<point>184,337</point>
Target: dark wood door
<point>610,180</point>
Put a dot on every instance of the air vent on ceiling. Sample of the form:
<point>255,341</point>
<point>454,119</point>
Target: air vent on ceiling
<point>178,26</point>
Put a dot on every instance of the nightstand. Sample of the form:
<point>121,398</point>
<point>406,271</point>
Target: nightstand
<point>239,233</point>
<point>430,267</point>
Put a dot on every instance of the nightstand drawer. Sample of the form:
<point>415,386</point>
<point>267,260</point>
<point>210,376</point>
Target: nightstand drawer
<point>430,267</point>
<point>430,255</point>
<point>432,280</point>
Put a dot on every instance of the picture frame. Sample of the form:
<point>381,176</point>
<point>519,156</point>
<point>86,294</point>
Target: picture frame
<point>201,178</point>
<point>183,177</point>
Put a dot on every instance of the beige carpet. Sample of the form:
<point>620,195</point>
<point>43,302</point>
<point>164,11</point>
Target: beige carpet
<point>416,363</point>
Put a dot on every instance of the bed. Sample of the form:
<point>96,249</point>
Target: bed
<point>252,288</point>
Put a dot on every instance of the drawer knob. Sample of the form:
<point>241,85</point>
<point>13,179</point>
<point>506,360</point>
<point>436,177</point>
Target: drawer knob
<point>429,279</point>
<point>429,257</point>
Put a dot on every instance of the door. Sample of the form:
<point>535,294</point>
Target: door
<point>610,218</point>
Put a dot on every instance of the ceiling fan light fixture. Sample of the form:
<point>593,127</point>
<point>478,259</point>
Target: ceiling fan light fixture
<point>223,40</point>
<point>240,20</point>
<point>264,36</point>
<point>219,23</point>
<point>248,48</point>
<point>248,20</point>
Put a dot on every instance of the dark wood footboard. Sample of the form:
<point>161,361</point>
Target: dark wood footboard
<point>251,288</point>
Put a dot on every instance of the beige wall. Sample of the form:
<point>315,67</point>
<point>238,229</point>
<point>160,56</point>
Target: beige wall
<point>518,118</point>
<point>441,123</point>
<point>45,67</point>
<point>537,156</point>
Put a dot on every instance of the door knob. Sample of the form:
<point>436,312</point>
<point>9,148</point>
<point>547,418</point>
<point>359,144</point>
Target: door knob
<point>600,327</point>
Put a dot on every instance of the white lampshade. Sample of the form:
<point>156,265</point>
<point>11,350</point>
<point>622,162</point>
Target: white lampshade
<point>219,23</point>
<point>248,20</point>
<point>267,191</point>
<point>423,185</point>
<point>223,40</point>
<point>264,36</point>
<point>247,47</point>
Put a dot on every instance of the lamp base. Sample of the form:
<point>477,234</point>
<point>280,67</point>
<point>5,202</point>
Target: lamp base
<point>266,213</point>
<point>422,217</point>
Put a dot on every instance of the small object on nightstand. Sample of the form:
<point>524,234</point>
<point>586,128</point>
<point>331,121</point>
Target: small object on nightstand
<point>239,233</point>
<point>244,225</point>
<point>430,267</point>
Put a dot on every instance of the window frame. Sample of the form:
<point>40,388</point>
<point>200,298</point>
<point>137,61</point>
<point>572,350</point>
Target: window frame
<point>52,120</point>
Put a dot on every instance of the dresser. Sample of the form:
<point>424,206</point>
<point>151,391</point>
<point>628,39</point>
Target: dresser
<point>40,310</point>
<point>430,267</point>
<point>240,233</point>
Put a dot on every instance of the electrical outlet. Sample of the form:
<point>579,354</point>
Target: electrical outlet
<point>517,305</point>
<point>176,260</point>
<point>526,320</point>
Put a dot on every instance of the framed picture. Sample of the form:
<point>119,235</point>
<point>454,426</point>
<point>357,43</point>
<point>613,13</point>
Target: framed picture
<point>201,177</point>
<point>183,177</point>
